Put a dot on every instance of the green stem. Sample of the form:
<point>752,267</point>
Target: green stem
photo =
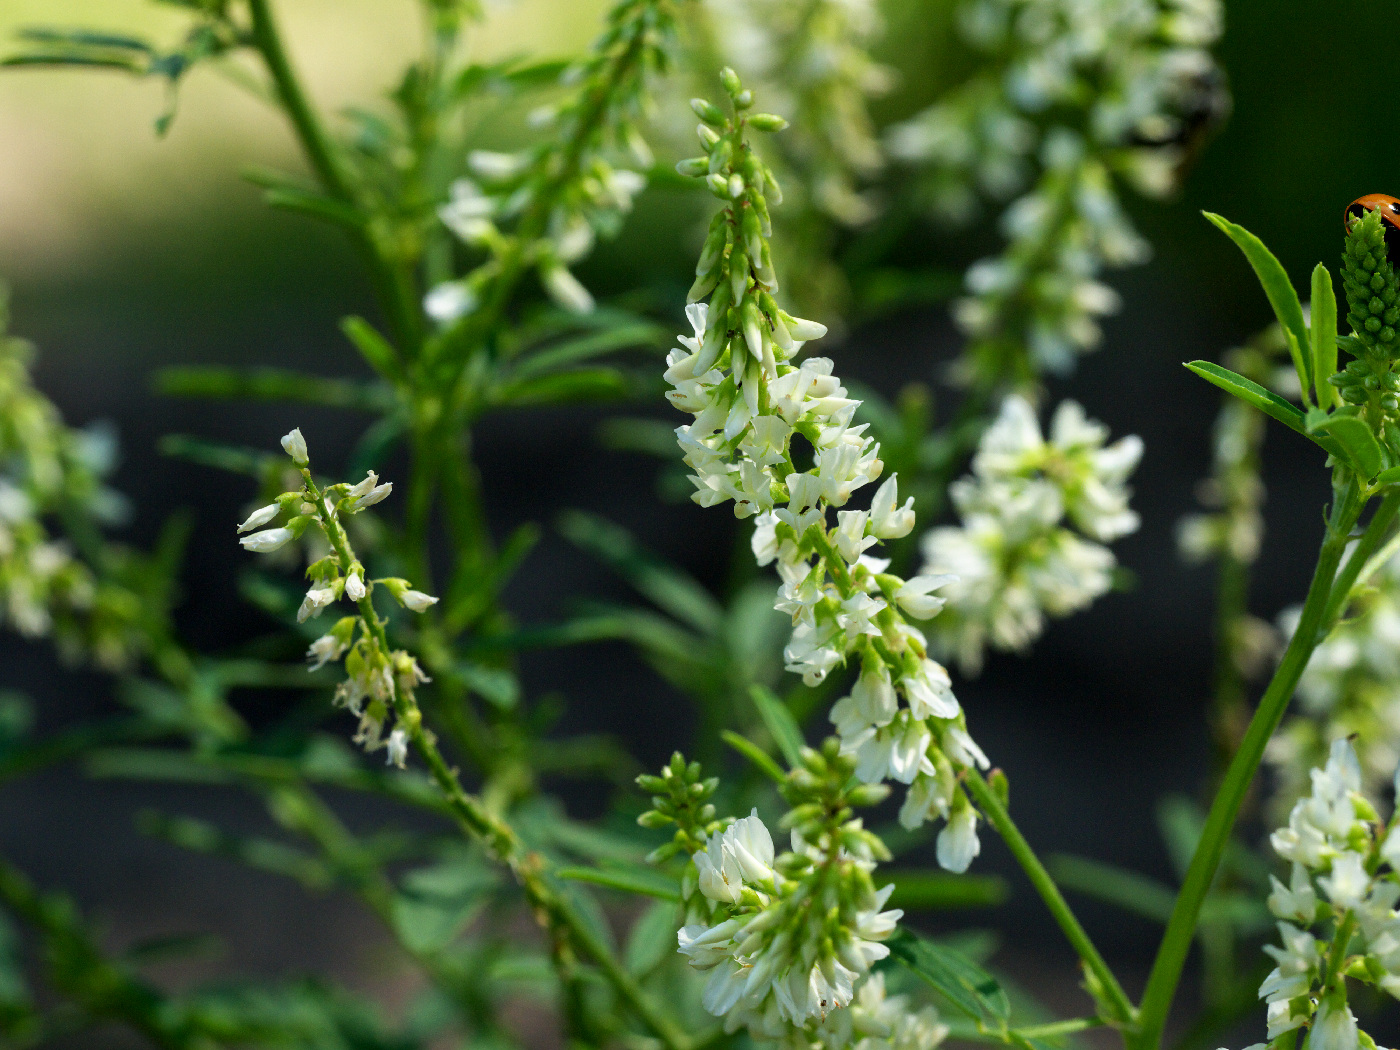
<point>1181,928</point>
<point>393,284</point>
<point>552,911</point>
<point>1338,955</point>
<point>1000,819</point>
<point>1370,541</point>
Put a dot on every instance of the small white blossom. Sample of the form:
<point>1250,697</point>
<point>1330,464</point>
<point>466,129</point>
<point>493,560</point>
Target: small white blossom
<point>397,748</point>
<point>260,517</point>
<point>268,540</point>
<point>417,601</point>
<point>295,446</point>
<point>317,598</point>
<point>354,587</point>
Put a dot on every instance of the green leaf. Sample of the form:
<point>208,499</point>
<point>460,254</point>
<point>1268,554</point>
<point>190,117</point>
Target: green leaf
<point>919,890</point>
<point>373,347</point>
<point>651,940</point>
<point>754,754</point>
<point>781,725</point>
<point>173,946</point>
<point>317,206</point>
<point>212,454</point>
<point>641,881</point>
<point>670,588</point>
<point>1324,336</point>
<point>965,984</point>
<point>271,384</point>
<point>1282,296</point>
<point>562,388</point>
<point>428,925</point>
<point>1388,477</point>
<point>1251,393</point>
<point>1128,890</point>
<point>1356,440</point>
<point>594,344</point>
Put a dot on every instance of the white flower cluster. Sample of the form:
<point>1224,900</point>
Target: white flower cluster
<point>812,61</point>
<point>1350,689</point>
<point>1343,882</point>
<point>1036,515</point>
<point>375,674</point>
<point>735,375</point>
<point>45,466</point>
<point>563,193</point>
<point>786,956</point>
<point>1082,89</point>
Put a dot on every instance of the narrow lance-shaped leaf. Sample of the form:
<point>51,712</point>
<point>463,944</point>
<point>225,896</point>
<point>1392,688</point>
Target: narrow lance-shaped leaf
<point>1251,393</point>
<point>780,723</point>
<point>1355,437</point>
<point>965,984</point>
<point>1324,336</point>
<point>1282,296</point>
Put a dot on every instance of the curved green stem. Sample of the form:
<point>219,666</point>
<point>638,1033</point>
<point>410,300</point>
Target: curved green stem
<point>1370,541</point>
<point>553,911</point>
<point>1181,928</point>
<point>393,283</point>
<point>1000,819</point>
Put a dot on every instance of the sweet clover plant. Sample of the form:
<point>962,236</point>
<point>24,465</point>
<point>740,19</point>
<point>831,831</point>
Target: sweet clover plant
<point>757,885</point>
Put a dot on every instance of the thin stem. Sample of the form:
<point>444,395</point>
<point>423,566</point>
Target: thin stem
<point>1000,819</point>
<point>1181,928</point>
<point>393,283</point>
<point>552,911</point>
<point>1338,955</point>
<point>1371,540</point>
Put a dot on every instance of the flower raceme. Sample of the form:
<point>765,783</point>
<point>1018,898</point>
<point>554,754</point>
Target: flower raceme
<point>1344,881</point>
<point>788,942</point>
<point>1016,558</point>
<point>754,407</point>
<point>377,676</point>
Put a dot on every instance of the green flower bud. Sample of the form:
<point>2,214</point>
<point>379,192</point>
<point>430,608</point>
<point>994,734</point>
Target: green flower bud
<point>767,122</point>
<point>708,112</point>
<point>693,167</point>
<point>1371,287</point>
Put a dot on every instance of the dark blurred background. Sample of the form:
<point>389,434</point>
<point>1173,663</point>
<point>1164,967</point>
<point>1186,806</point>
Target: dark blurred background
<point>126,253</point>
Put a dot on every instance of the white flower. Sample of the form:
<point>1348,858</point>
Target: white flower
<point>260,517</point>
<point>915,599</point>
<point>957,842</point>
<point>268,540</point>
<point>742,853</point>
<point>1334,1028</point>
<point>565,289</point>
<point>930,691</point>
<point>324,649</point>
<point>1348,883</point>
<point>295,446</point>
<point>417,601</point>
<point>397,748</point>
<point>888,520</point>
<point>449,301</point>
<point>317,598</point>
<point>354,587</point>
<point>370,498</point>
<point>1297,901</point>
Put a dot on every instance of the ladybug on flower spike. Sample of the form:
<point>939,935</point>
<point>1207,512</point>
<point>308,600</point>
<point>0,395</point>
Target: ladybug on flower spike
<point>1389,207</point>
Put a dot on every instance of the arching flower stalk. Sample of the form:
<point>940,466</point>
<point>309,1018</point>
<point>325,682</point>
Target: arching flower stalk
<point>1037,515</point>
<point>380,681</point>
<point>756,410</point>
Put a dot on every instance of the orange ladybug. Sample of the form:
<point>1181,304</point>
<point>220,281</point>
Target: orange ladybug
<point>1389,207</point>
